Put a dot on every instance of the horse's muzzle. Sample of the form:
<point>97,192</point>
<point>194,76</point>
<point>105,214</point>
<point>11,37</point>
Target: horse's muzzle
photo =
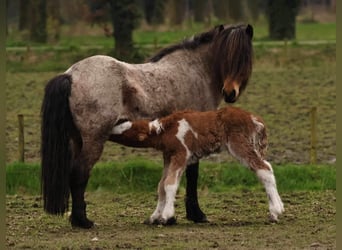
<point>231,97</point>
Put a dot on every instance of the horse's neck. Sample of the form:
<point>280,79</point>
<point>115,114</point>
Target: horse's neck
<point>183,61</point>
<point>179,80</point>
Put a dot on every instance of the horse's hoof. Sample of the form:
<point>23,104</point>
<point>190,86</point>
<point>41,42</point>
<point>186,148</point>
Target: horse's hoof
<point>169,222</point>
<point>194,213</point>
<point>198,217</point>
<point>81,222</point>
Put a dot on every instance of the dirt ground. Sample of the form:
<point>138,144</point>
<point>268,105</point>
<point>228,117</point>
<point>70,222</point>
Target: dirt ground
<point>238,220</point>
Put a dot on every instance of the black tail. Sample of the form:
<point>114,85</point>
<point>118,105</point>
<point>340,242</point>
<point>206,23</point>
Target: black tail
<point>56,128</point>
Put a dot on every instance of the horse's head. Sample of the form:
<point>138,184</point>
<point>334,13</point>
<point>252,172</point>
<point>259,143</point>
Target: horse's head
<point>232,59</point>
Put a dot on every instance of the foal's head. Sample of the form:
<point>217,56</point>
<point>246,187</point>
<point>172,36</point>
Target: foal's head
<point>232,59</point>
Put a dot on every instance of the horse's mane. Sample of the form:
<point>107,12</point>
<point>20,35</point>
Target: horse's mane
<point>190,43</point>
<point>231,51</point>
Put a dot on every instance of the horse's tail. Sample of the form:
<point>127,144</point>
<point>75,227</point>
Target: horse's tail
<point>56,155</point>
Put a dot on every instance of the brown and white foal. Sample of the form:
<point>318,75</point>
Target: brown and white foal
<point>186,136</point>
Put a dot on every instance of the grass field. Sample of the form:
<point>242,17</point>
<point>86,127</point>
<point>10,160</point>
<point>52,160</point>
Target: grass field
<point>288,80</point>
<point>238,220</point>
<point>286,83</point>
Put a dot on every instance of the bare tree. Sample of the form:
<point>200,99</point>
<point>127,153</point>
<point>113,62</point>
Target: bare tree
<point>282,18</point>
<point>125,16</point>
<point>24,14</point>
<point>38,20</point>
<point>154,11</point>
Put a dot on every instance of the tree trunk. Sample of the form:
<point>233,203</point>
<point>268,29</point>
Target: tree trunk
<point>253,7</point>
<point>177,9</point>
<point>154,11</point>
<point>200,9</point>
<point>221,9</point>
<point>38,21</point>
<point>235,10</point>
<point>24,14</point>
<point>282,18</point>
<point>54,17</point>
<point>124,20</point>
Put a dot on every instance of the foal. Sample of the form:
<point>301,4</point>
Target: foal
<point>186,136</point>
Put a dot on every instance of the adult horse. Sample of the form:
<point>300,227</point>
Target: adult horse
<point>82,105</point>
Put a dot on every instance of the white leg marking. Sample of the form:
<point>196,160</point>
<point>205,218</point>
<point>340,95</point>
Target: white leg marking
<point>169,209</point>
<point>156,125</point>
<point>158,212</point>
<point>183,128</point>
<point>119,129</point>
<point>276,206</point>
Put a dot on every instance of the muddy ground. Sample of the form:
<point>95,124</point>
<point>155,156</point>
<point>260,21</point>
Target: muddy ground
<point>238,220</point>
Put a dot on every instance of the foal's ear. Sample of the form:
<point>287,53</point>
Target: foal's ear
<point>249,30</point>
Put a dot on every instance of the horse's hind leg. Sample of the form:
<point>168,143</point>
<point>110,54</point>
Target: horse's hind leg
<point>88,156</point>
<point>263,169</point>
<point>193,211</point>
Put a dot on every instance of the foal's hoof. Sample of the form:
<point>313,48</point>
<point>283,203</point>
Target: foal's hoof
<point>273,218</point>
<point>169,222</point>
<point>81,222</point>
<point>148,221</point>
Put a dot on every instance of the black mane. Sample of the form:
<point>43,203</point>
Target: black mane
<point>190,43</point>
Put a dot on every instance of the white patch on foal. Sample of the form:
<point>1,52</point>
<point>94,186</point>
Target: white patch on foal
<point>155,124</point>
<point>119,129</point>
<point>276,206</point>
<point>183,128</point>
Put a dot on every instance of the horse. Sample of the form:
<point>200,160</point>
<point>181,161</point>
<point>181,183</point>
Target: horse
<point>81,106</point>
<point>186,136</point>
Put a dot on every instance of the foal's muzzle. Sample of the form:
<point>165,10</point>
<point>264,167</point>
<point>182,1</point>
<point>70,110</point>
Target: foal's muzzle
<point>229,97</point>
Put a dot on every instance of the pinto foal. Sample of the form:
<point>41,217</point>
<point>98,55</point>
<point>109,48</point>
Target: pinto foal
<point>186,136</point>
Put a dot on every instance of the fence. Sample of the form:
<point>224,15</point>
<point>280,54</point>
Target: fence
<point>313,138</point>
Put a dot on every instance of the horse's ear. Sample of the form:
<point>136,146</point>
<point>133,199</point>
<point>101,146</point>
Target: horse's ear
<point>219,28</point>
<point>249,30</point>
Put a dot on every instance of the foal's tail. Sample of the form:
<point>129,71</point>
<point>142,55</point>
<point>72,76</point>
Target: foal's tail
<point>56,155</point>
<point>261,137</point>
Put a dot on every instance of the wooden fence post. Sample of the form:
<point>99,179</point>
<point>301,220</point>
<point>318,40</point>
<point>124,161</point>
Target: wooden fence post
<point>313,148</point>
<point>21,138</point>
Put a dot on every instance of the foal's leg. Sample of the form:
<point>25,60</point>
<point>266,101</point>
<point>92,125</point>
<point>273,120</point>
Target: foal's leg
<point>193,211</point>
<point>155,218</point>
<point>171,184</point>
<point>90,153</point>
<point>266,176</point>
<point>245,152</point>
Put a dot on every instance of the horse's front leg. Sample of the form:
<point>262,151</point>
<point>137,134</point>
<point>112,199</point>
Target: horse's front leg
<point>193,211</point>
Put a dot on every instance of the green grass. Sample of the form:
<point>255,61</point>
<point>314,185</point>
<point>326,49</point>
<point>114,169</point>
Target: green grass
<point>285,85</point>
<point>141,37</point>
<point>142,175</point>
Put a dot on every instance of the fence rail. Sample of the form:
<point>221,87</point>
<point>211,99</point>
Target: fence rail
<point>313,136</point>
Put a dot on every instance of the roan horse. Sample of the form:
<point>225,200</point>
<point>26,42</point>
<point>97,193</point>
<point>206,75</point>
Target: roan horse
<point>186,136</point>
<point>82,105</point>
